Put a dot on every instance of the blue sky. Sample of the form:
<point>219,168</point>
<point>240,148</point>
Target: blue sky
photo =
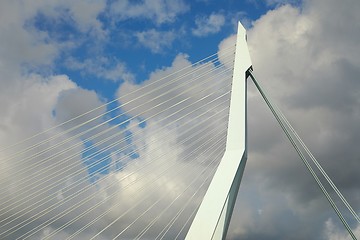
<point>140,43</point>
<point>61,58</point>
<point>133,39</point>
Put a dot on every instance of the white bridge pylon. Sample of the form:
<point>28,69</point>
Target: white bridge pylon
<point>213,216</point>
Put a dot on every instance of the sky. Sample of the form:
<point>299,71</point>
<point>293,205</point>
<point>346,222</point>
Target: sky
<point>59,59</point>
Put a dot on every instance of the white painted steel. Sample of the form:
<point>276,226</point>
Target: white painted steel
<point>213,216</point>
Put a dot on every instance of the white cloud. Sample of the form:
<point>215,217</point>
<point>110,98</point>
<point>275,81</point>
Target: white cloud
<point>43,97</point>
<point>150,91</point>
<point>85,14</point>
<point>155,40</point>
<point>22,43</point>
<point>307,59</point>
<point>225,47</point>
<point>48,180</point>
<point>27,102</point>
<point>159,11</point>
<point>333,232</point>
<point>28,112</point>
<point>19,46</point>
<point>102,67</point>
<point>208,25</point>
<point>24,109</point>
<point>309,62</point>
<point>179,87</point>
<point>155,100</point>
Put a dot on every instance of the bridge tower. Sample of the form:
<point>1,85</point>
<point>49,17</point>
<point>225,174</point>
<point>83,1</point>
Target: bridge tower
<point>213,216</point>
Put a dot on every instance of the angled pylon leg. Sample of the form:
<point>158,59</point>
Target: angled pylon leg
<point>213,216</point>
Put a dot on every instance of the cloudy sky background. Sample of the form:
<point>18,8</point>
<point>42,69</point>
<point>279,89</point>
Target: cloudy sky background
<point>61,58</point>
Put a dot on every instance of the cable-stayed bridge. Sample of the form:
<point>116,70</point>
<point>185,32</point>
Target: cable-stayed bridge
<point>164,161</point>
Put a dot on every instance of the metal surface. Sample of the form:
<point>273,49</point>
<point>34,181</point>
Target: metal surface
<point>213,216</point>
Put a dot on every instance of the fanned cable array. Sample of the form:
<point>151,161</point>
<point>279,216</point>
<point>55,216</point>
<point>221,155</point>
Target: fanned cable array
<point>134,168</point>
<point>300,148</point>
